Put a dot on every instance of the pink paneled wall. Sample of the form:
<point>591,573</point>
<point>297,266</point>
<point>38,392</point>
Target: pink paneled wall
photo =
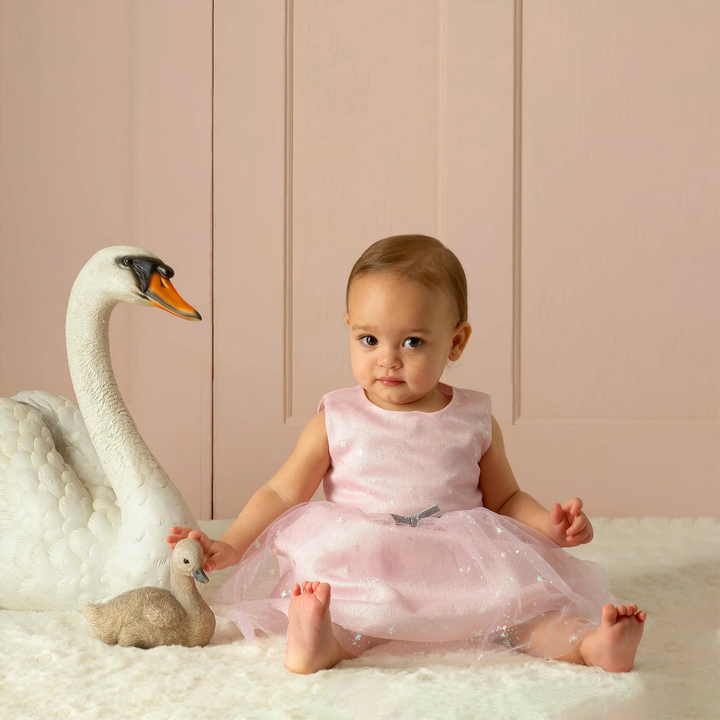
<point>567,152</point>
<point>105,139</point>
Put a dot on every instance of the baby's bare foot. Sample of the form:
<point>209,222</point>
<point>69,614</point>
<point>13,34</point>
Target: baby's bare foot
<point>311,643</point>
<point>614,644</point>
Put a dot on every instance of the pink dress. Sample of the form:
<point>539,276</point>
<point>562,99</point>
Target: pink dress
<point>408,549</point>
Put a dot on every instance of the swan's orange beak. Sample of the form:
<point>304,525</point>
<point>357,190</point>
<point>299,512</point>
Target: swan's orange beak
<point>162,294</point>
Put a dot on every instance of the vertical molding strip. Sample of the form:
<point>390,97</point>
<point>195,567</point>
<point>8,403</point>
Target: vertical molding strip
<point>132,197</point>
<point>288,285</point>
<point>212,261</point>
<point>517,212</point>
<point>442,123</point>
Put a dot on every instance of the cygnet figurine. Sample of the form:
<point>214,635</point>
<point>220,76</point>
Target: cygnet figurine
<point>150,616</point>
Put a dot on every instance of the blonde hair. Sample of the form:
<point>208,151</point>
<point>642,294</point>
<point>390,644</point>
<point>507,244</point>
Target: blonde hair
<point>420,258</point>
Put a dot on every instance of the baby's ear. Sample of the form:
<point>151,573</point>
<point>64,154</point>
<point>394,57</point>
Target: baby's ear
<point>463,331</point>
<point>347,319</point>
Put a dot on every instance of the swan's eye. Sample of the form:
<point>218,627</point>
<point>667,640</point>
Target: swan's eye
<point>186,561</point>
<point>126,261</point>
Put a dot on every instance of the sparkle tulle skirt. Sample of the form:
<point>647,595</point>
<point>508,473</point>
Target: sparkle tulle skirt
<point>467,576</point>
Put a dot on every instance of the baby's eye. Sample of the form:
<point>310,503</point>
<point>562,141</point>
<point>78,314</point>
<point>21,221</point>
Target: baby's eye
<point>368,340</point>
<point>412,343</point>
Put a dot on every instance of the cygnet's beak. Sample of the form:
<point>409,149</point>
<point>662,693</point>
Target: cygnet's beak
<point>200,575</point>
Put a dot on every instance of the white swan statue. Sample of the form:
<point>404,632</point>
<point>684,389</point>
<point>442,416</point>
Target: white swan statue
<point>84,505</point>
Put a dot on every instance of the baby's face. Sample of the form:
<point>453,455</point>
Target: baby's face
<point>401,336</point>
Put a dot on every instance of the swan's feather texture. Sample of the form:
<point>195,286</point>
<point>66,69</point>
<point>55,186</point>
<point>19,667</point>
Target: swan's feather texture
<point>59,519</point>
<point>55,530</point>
<point>72,440</point>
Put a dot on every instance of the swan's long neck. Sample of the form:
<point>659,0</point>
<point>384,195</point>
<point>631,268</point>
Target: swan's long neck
<point>145,495</point>
<point>186,593</point>
<point>200,618</point>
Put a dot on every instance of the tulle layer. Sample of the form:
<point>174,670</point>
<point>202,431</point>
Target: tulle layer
<point>468,576</point>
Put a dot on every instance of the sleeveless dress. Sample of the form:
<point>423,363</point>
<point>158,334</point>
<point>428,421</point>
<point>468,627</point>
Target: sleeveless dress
<point>407,547</point>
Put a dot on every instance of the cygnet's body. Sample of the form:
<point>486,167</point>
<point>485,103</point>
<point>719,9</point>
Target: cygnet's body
<point>150,616</point>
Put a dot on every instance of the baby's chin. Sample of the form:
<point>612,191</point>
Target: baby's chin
<point>400,395</point>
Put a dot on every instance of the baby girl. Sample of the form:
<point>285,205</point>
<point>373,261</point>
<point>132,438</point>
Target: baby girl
<point>425,536</point>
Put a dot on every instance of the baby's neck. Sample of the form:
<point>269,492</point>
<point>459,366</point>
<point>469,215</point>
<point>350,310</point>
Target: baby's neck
<point>430,403</point>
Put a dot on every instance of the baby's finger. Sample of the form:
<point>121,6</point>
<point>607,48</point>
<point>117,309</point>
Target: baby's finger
<point>202,538</point>
<point>181,532</point>
<point>573,506</point>
<point>580,538</point>
<point>210,562</point>
<point>557,516</point>
<point>578,524</point>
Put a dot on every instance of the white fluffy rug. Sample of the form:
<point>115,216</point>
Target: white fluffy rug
<point>51,665</point>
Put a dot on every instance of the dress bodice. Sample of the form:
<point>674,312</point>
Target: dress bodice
<point>405,462</point>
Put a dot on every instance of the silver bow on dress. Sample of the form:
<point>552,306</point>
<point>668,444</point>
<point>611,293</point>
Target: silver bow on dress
<point>414,519</point>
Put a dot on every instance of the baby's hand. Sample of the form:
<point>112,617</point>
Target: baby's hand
<point>568,525</point>
<point>218,554</point>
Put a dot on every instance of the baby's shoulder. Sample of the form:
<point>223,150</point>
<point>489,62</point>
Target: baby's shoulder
<point>338,398</point>
<point>466,396</point>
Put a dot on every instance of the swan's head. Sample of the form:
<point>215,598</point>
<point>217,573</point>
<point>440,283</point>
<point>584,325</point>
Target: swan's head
<point>123,273</point>
<point>187,559</point>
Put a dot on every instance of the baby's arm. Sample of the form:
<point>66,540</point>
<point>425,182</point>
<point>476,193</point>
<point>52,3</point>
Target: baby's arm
<point>565,525</point>
<point>295,482</point>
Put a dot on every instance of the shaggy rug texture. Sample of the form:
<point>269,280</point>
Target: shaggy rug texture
<point>52,666</point>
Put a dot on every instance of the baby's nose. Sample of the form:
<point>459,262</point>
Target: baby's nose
<point>390,360</point>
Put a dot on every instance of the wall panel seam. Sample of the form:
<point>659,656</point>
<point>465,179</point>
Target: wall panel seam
<point>288,255</point>
<point>213,409</point>
<point>442,123</point>
<point>517,213</point>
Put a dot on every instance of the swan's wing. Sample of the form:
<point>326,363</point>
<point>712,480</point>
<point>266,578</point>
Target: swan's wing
<point>153,606</point>
<point>55,533</point>
<point>65,422</point>
<point>164,612</point>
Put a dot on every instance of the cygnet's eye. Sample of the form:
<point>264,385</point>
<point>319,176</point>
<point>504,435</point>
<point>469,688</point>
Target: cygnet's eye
<point>186,561</point>
<point>412,343</point>
<point>368,340</point>
<point>126,261</point>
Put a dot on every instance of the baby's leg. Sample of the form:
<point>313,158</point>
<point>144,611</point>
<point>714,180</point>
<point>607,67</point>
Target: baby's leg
<point>311,643</point>
<point>612,646</point>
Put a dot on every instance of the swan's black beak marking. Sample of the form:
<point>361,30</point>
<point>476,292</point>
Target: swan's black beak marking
<point>153,279</point>
<point>144,268</point>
